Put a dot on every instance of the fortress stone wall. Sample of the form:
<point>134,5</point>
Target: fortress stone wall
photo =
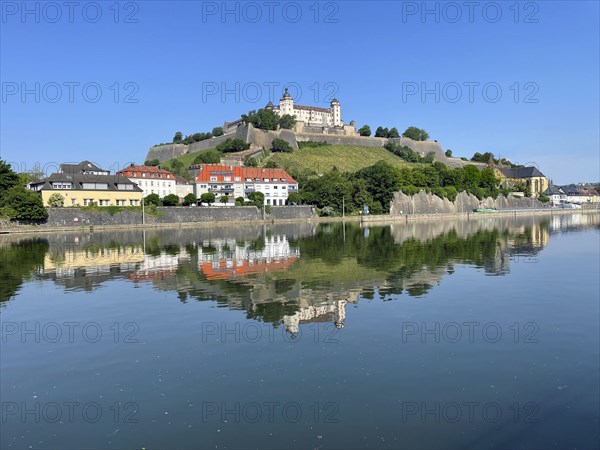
<point>264,138</point>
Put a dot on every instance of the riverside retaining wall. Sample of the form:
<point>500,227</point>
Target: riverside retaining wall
<point>76,217</point>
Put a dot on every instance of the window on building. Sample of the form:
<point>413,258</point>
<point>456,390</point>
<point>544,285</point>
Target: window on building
<point>73,202</point>
<point>268,201</point>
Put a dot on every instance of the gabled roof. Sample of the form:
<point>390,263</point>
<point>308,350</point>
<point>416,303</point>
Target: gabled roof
<point>138,170</point>
<point>78,179</point>
<point>181,180</point>
<point>83,166</point>
<point>521,172</point>
<point>571,189</point>
<point>220,171</point>
<point>554,190</point>
<point>312,108</point>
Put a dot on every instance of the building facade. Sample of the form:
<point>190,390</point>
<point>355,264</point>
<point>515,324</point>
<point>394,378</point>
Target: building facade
<point>234,182</point>
<point>536,181</point>
<point>556,195</point>
<point>310,115</point>
<point>580,194</point>
<point>306,116</point>
<point>151,179</point>
<point>183,187</point>
<point>85,184</point>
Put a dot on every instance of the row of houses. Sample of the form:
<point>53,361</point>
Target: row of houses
<point>572,193</point>
<point>537,184</point>
<point>87,184</point>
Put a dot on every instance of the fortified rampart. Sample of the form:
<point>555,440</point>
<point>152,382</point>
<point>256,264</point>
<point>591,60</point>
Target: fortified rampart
<point>264,138</point>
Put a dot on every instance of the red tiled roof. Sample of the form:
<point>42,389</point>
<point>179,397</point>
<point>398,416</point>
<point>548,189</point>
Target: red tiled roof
<point>207,170</point>
<point>243,268</point>
<point>154,170</point>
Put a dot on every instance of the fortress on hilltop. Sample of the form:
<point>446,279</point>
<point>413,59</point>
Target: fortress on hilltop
<point>313,124</point>
<point>310,119</point>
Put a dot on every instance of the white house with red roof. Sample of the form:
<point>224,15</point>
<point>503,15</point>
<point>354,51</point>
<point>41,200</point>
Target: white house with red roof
<point>234,181</point>
<point>152,179</point>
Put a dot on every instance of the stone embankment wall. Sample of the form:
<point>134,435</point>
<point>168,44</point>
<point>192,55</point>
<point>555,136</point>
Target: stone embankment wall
<point>424,203</point>
<point>76,217</point>
<point>292,212</point>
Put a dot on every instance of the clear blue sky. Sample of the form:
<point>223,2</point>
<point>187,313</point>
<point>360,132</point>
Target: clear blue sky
<point>374,54</point>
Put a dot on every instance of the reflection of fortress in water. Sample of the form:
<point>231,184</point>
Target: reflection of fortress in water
<point>288,274</point>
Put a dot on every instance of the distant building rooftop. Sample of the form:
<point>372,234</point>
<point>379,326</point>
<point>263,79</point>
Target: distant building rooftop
<point>521,172</point>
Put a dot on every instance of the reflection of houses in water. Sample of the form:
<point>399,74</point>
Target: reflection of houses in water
<point>228,259</point>
<point>159,267</point>
<point>93,258</point>
<point>565,222</point>
<point>85,266</point>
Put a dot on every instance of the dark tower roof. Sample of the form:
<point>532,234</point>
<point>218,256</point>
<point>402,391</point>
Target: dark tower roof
<point>286,94</point>
<point>335,100</point>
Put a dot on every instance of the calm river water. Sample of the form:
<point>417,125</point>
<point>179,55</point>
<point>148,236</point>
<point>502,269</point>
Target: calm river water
<point>449,334</point>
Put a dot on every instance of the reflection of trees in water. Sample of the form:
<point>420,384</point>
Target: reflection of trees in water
<point>18,261</point>
<point>337,263</point>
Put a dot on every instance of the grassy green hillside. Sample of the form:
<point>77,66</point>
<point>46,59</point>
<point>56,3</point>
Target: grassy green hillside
<point>321,159</point>
<point>187,160</point>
